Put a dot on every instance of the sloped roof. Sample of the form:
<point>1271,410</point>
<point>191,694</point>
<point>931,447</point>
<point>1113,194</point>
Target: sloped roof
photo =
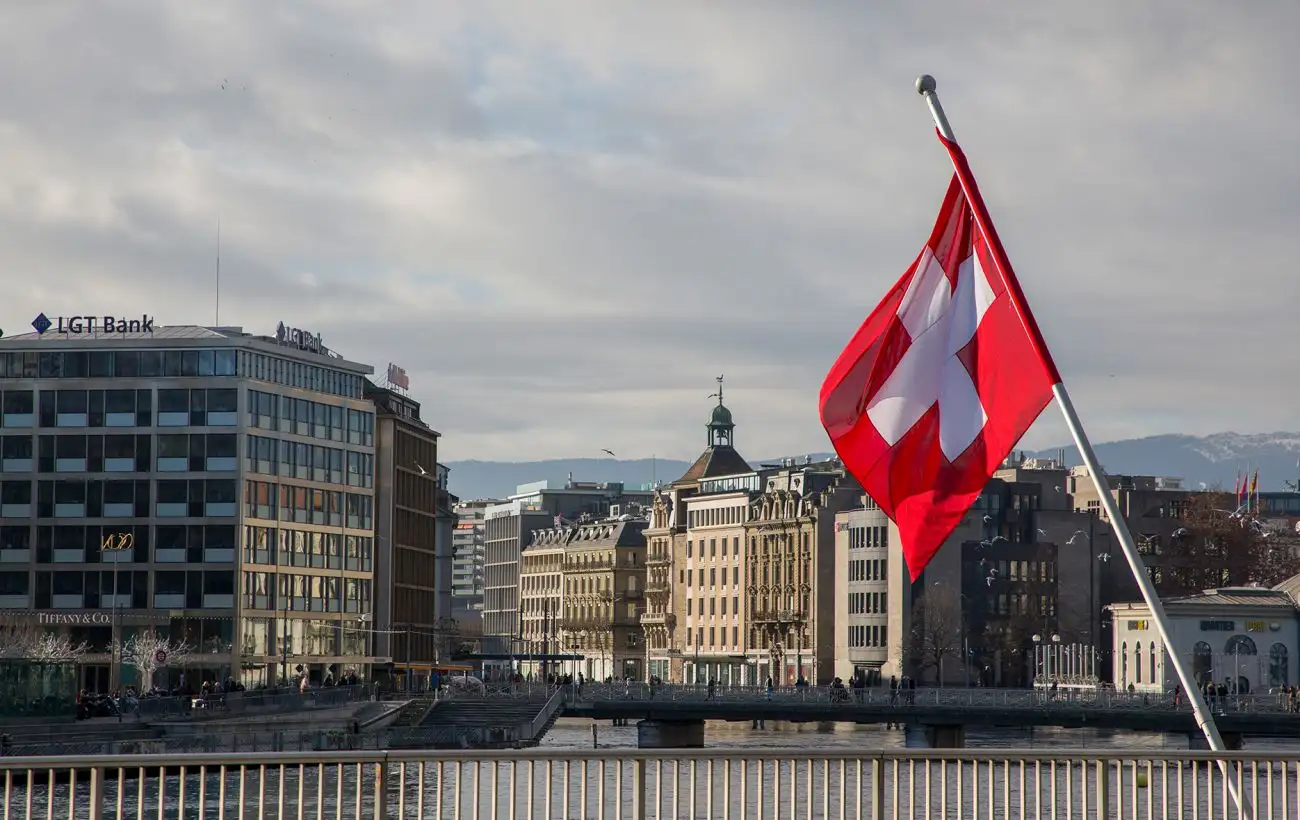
<point>1236,596</point>
<point>715,461</point>
<point>1290,588</point>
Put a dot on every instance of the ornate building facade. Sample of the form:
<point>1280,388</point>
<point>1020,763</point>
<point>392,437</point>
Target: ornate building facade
<point>541,597</point>
<point>792,571</point>
<point>604,597</point>
<point>697,542</point>
<point>659,620</point>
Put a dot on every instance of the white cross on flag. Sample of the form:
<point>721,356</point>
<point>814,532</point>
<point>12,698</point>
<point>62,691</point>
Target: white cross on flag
<point>941,380</point>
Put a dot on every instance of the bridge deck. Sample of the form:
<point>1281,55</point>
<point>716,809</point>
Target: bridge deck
<point>1262,715</point>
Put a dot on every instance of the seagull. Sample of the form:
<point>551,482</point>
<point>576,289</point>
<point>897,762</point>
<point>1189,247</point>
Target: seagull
<point>1042,532</point>
<point>988,519</point>
<point>609,453</point>
<point>421,469</point>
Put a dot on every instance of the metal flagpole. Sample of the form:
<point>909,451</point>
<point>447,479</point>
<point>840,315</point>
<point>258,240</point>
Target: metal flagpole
<point>925,86</point>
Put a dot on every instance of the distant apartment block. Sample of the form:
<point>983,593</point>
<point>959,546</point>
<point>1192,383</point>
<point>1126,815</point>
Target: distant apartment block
<point>467,558</point>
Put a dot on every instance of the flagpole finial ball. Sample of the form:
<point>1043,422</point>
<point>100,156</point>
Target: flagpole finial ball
<point>925,84</point>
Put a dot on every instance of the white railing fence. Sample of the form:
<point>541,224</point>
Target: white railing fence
<point>645,785</point>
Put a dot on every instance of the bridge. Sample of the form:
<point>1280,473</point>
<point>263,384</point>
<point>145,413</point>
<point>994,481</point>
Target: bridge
<point>673,716</point>
<point>557,784</point>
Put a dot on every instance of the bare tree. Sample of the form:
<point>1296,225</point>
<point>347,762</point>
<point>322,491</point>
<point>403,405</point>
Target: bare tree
<point>17,639</point>
<point>53,648</point>
<point>143,651</point>
<point>27,641</point>
<point>1215,547</point>
<point>935,635</point>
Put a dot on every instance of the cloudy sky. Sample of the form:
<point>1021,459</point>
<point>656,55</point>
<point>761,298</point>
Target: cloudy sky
<point>565,218</point>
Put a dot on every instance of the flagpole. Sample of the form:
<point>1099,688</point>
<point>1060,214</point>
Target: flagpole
<point>926,86</point>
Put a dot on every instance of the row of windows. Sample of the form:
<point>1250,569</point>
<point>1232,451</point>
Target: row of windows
<point>714,634</point>
<point>713,547</point>
<point>77,498</point>
<point>304,417</point>
<point>290,373</point>
<point>718,516</point>
<point>867,603</point>
<point>299,548</point>
<point>685,576</point>
<point>716,602</point>
<point>312,462</point>
<point>800,573</point>
<point>130,364</point>
<point>93,589</point>
<point>217,407</point>
<point>122,453</point>
<point>119,364</point>
<point>304,505</point>
<point>305,593</point>
<point>1024,571</point>
<point>868,537</point>
<point>866,636</point>
<point>299,637</point>
<point>1012,604</point>
<point>863,569</point>
<point>113,453</point>
<point>80,543</point>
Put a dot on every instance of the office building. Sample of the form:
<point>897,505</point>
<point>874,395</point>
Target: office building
<point>793,570</point>
<point>238,467</point>
<point>862,592</point>
<point>413,620</point>
<point>508,527</point>
<point>1034,556</point>
<point>467,558</point>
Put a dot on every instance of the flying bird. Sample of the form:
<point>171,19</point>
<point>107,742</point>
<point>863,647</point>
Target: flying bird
<point>988,519</point>
<point>609,453</point>
<point>421,469</point>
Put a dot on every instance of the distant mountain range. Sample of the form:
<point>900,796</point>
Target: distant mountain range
<point>1212,460</point>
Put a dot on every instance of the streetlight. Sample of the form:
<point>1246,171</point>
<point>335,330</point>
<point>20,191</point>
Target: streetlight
<point>116,543</point>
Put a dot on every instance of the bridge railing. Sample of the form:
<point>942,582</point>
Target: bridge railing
<point>920,698</point>
<point>646,785</point>
<point>239,703</point>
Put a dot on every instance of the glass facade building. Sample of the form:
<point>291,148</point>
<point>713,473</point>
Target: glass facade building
<point>234,473</point>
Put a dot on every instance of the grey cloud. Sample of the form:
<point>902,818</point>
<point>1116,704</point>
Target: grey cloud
<point>564,219</point>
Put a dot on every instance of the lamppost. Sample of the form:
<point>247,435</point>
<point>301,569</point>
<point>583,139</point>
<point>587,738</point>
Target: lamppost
<point>116,543</point>
<point>285,591</point>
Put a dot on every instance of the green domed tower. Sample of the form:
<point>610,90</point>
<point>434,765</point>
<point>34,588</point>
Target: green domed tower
<point>721,428</point>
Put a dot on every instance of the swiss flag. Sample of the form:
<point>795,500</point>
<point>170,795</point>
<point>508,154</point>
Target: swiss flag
<point>941,380</point>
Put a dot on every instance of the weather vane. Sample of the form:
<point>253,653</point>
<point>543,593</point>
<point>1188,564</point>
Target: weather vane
<point>718,395</point>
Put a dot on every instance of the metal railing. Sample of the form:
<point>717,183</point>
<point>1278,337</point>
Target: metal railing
<point>251,701</point>
<point>645,785</point>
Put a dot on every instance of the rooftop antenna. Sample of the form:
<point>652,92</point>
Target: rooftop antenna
<point>216,320</point>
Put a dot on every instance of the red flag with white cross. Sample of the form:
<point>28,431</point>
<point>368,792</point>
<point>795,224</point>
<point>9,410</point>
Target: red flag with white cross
<point>942,379</point>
